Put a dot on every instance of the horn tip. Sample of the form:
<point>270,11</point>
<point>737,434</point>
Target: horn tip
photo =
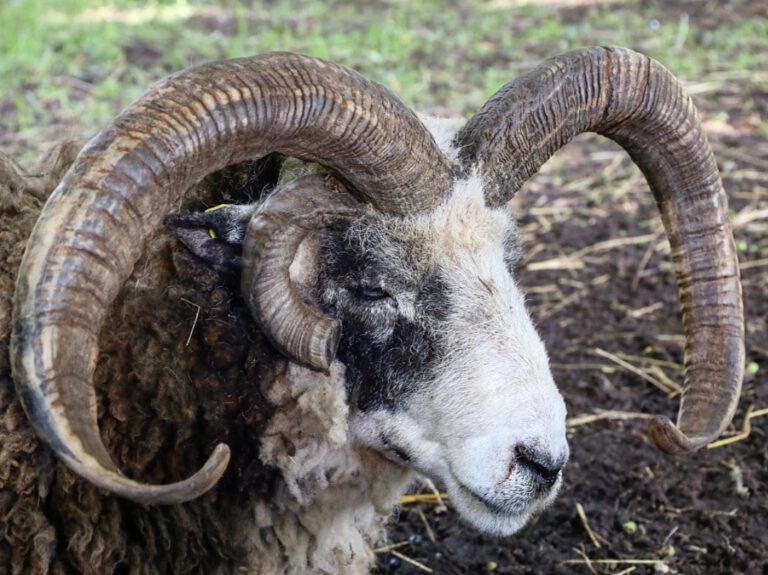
<point>218,461</point>
<point>189,489</point>
<point>669,439</point>
<point>325,345</point>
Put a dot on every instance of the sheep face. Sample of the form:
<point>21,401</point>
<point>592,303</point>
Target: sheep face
<point>446,373</point>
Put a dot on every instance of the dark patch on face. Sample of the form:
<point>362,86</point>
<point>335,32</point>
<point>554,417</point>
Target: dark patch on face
<point>388,356</point>
<point>432,298</point>
<point>512,250</point>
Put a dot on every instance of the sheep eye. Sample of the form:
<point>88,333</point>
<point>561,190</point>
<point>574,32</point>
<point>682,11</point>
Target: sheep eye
<point>373,294</point>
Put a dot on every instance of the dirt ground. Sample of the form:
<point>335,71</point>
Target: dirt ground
<point>599,279</point>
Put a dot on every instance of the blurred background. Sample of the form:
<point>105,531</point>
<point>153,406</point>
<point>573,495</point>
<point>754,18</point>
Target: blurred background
<point>68,66</point>
<point>596,264</point>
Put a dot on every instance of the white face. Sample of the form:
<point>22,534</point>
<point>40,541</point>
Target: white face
<point>486,419</point>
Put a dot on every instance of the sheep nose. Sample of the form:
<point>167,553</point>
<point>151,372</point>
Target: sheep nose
<point>543,466</point>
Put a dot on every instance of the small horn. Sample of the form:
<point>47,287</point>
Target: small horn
<point>636,102</point>
<point>274,234</point>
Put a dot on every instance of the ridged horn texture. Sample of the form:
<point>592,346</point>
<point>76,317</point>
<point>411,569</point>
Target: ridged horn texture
<point>636,102</point>
<point>96,223</point>
<point>274,234</point>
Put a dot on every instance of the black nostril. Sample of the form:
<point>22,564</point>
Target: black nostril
<point>544,469</point>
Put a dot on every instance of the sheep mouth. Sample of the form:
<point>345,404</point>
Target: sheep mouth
<point>506,508</point>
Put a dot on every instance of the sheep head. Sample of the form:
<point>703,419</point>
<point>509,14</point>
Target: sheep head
<point>445,369</point>
<point>414,292</point>
<point>445,372</point>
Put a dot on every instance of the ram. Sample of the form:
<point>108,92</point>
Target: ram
<point>359,321</point>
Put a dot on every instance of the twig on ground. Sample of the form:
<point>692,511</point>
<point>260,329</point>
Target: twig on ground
<point>573,261</point>
<point>650,360</point>
<point>430,498</point>
<point>388,548</point>
<point>560,263</point>
<point>746,428</point>
<point>411,561</point>
<point>666,380</point>
<point>747,216</point>
<point>600,280</point>
<point>583,366</point>
<point>704,87</point>
<point>565,302</point>
<point>614,243</point>
<point>427,526</point>
<point>592,535</point>
<point>649,251</point>
<point>640,312</point>
<point>754,264</point>
<point>587,561</point>
<point>737,475</point>
<point>663,386</point>
<point>441,497</point>
<point>669,536</point>
<point>601,415</point>
<point>741,156</point>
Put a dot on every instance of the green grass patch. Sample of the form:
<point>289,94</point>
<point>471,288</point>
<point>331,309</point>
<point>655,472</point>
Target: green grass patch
<point>79,61</point>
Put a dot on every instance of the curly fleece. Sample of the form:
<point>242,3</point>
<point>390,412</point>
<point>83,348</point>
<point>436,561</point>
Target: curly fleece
<point>181,369</point>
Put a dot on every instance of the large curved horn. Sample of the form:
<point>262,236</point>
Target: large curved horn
<point>274,234</point>
<point>635,101</point>
<point>94,227</point>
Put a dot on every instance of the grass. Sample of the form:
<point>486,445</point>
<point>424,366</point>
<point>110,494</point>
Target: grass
<point>67,69</point>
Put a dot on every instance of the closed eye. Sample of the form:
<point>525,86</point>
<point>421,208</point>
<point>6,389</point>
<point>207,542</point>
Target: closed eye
<point>373,295</point>
<point>370,293</point>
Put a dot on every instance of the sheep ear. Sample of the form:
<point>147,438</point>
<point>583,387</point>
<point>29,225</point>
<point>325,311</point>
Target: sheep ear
<point>215,235</point>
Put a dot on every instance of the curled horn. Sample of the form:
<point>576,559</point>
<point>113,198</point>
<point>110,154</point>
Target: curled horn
<point>275,232</point>
<point>96,223</point>
<point>636,102</point>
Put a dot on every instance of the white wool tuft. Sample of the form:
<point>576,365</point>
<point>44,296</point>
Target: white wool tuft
<point>330,509</point>
<point>443,131</point>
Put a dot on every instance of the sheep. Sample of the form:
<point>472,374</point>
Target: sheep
<point>358,323</point>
